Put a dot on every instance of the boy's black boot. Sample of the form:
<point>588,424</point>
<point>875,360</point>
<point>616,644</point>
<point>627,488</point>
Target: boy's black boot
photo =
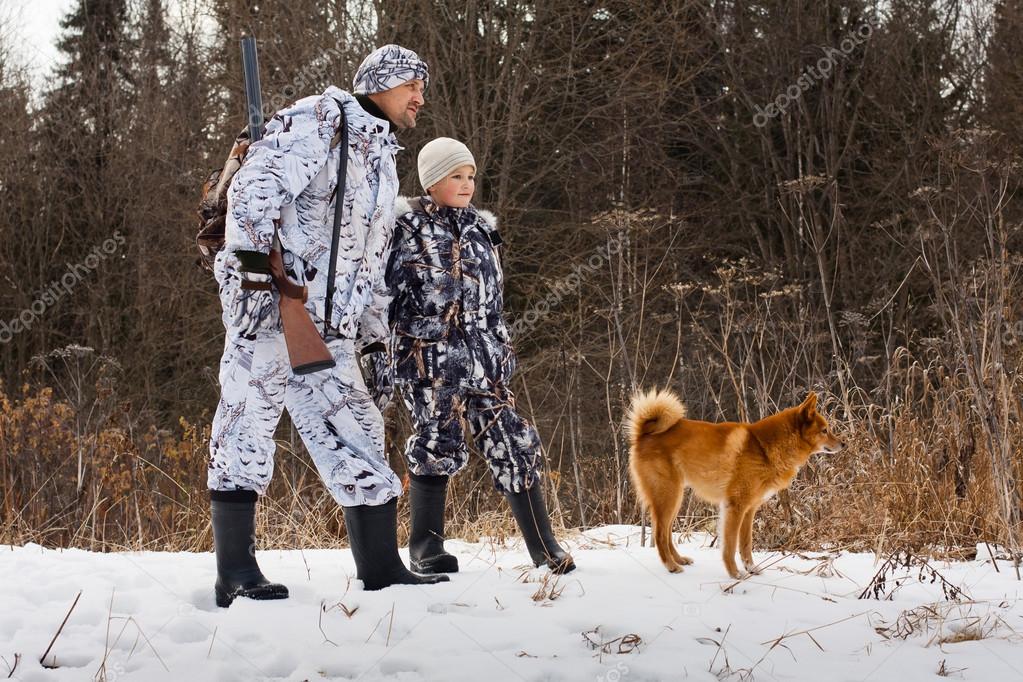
<point>427,495</point>
<point>530,513</point>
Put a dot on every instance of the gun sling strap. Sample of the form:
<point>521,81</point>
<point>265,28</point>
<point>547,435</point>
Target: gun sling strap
<point>335,235</point>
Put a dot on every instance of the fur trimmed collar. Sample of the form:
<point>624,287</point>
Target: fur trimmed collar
<point>406,205</point>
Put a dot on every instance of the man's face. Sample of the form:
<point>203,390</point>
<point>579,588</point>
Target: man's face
<point>401,104</point>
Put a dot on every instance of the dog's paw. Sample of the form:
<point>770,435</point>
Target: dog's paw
<point>685,561</point>
<point>738,574</point>
<point>674,568</point>
<point>751,568</point>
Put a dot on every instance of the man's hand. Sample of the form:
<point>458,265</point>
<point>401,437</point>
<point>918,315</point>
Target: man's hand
<point>252,310</point>
<point>253,302</point>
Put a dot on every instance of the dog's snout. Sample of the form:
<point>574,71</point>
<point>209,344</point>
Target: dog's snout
<point>833,447</point>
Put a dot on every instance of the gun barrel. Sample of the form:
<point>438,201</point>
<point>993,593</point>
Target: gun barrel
<point>253,96</point>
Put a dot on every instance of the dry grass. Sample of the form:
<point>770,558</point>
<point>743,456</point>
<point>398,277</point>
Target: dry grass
<point>623,644</point>
<point>950,622</point>
<point>92,473</point>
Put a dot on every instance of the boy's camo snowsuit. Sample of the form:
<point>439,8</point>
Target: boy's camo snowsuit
<point>450,356</point>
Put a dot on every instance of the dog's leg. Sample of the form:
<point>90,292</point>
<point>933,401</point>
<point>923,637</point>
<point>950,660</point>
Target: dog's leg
<point>731,513</point>
<point>680,559</point>
<point>661,489</point>
<point>746,539</point>
<point>664,504</point>
<point>662,539</point>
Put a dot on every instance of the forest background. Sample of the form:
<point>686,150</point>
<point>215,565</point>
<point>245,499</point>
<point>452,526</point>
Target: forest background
<point>738,201</point>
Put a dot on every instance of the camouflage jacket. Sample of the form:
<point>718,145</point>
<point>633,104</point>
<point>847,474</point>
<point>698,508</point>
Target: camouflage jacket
<point>289,178</point>
<point>444,276</point>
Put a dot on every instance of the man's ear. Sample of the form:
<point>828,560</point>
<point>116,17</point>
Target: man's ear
<point>809,407</point>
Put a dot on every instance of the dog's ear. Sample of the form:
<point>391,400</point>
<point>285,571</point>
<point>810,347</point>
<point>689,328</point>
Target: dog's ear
<point>809,407</point>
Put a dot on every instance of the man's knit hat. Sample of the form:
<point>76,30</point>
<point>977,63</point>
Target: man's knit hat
<point>441,156</point>
<point>388,67</point>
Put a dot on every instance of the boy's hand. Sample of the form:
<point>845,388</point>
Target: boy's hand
<point>377,376</point>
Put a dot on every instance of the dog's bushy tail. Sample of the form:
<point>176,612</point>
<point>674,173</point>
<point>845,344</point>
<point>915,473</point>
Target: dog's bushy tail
<point>653,412</point>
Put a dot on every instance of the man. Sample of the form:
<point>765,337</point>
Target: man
<point>285,190</point>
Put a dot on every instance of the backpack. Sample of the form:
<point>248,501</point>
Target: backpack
<point>212,209</point>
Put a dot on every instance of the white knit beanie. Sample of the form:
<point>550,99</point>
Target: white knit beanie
<point>441,156</point>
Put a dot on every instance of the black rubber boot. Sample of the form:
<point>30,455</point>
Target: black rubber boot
<point>234,539</point>
<point>426,539</point>
<point>530,513</point>
<point>373,534</point>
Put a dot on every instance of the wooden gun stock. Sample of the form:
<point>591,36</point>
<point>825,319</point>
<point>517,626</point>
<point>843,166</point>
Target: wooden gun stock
<point>307,351</point>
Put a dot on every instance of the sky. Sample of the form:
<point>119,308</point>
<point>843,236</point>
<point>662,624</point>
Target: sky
<point>33,27</point>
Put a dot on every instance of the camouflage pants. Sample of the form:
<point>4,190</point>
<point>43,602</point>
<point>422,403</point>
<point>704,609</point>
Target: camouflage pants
<point>341,426</point>
<point>509,443</point>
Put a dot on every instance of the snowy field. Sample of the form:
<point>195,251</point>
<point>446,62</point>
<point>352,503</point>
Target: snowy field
<point>619,617</point>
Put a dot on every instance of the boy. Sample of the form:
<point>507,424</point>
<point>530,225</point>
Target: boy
<point>451,358</point>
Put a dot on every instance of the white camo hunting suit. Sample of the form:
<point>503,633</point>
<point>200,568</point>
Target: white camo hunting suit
<point>289,177</point>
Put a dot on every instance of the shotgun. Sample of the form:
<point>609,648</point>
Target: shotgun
<point>307,351</point>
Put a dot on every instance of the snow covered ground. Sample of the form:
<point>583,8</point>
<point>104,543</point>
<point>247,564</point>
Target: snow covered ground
<point>619,617</point>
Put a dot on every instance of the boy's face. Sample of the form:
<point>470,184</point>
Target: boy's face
<point>401,104</point>
<point>456,189</point>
